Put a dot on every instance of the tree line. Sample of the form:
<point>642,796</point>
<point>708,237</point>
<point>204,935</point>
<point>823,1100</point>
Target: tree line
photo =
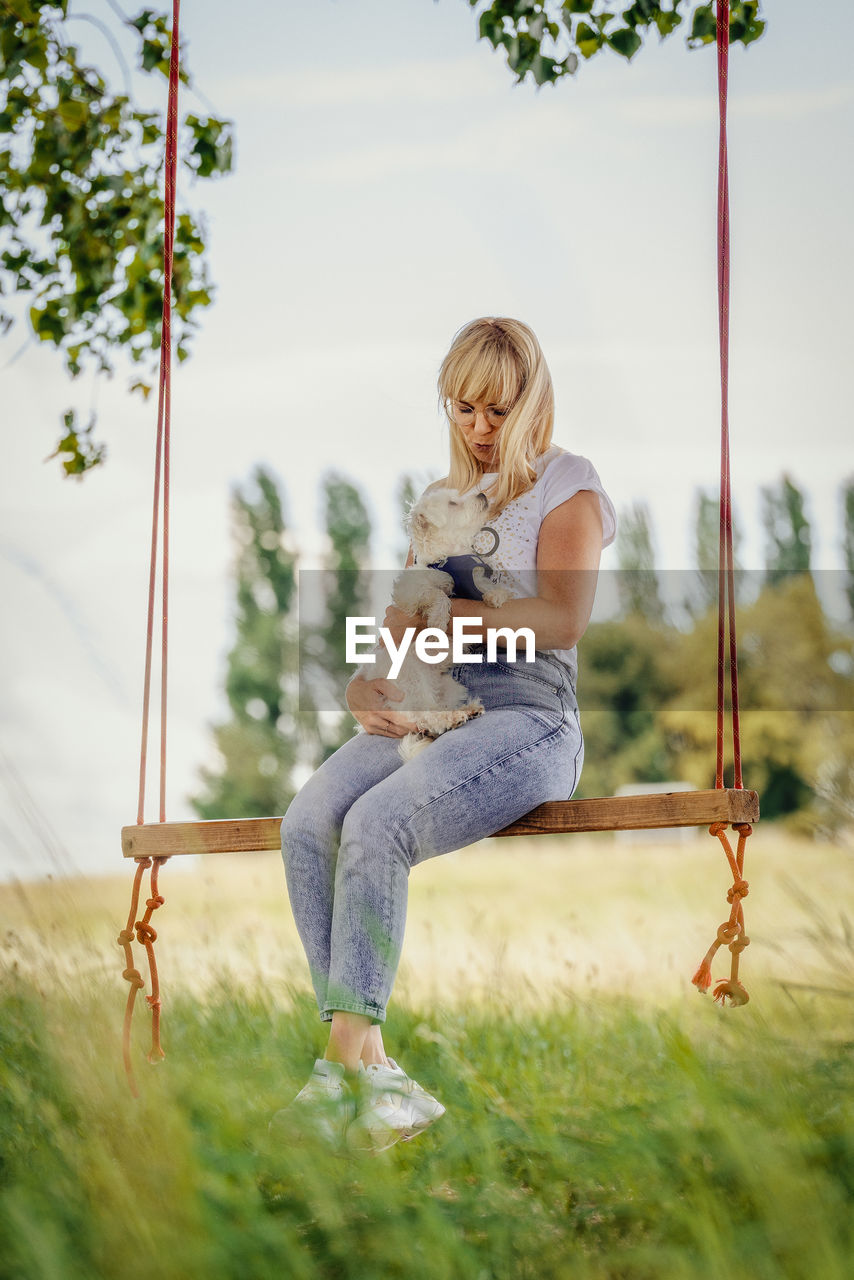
<point>647,672</point>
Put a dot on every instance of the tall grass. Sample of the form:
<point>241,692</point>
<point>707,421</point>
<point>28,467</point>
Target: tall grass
<point>590,1140</point>
<point>603,1121</point>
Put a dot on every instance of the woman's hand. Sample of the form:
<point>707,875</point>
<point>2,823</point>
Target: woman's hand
<point>368,702</point>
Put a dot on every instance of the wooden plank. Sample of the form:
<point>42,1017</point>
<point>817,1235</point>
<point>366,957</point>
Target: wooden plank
<point>224,835</point>
<point>639,813</point>
<point>611,813</point>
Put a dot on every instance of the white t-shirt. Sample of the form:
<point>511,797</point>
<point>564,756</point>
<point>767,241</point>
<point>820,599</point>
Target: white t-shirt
<point>509,542</point>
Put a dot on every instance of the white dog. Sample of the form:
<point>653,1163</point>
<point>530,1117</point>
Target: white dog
<point>443,527</point>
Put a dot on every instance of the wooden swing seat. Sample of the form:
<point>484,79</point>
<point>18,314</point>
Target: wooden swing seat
<point>610,813</point>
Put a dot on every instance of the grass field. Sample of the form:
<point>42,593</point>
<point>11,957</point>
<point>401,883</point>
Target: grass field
<point>603,1119</point>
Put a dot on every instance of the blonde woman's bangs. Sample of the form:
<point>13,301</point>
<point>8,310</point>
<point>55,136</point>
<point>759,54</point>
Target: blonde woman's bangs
<point>488,375</point>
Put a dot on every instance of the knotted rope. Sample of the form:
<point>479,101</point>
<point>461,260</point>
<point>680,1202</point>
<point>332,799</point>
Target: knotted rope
<point>731,933</point>
<point>145,934</point>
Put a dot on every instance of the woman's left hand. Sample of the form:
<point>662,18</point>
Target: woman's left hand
<point>396,621</point>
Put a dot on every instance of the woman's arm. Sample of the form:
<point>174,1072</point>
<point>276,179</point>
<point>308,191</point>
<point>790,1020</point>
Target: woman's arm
<point>568,551</point>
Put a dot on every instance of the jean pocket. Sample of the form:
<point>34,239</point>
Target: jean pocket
<point>538,672</point>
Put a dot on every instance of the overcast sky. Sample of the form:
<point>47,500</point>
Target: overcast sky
<point>391,183</point>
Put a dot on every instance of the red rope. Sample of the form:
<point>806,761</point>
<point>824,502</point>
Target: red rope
<point>726,576</point>
<point>145,934</point>
<point>732,932</point>
<point>162,452</point>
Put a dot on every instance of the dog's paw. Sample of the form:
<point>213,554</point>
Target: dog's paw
<point>439,612</point>
<point>495,597</point>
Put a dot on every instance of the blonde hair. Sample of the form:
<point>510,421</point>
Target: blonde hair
<point>499,361</point>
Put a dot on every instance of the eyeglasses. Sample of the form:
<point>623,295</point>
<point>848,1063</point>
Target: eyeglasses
<point>464,414</point>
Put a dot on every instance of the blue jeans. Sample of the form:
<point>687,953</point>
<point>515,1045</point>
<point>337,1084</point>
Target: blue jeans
<point>364,818</point>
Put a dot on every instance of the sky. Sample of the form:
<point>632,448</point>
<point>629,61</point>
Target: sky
<point>391,183</point>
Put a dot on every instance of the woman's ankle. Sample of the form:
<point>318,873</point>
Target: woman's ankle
<point>374,1059</point>
<point>347,1038</point>
<point>373,1050</point>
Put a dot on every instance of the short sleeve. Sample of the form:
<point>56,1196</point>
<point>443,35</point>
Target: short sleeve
<point>566,476</point>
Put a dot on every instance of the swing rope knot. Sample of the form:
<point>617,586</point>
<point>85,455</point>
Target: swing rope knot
<point>731,989</point>
<point>146,935</point>
<point>740,889</point>
<point>702,979</point>
<point>731,933</point>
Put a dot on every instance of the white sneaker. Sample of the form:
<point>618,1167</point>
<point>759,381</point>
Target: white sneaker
<point>325,1101</point>
<point>395,1107</point>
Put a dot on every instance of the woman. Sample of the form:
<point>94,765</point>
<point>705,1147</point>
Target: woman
<point>365,817</point>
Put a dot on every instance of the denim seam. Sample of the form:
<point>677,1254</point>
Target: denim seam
<point>367,1008</point>
<point>515,669</point>
<point>529,675</point>
<point>473,778</point>
<point>575,769</point>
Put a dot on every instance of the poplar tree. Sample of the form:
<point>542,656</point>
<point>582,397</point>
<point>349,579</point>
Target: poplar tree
<point>706,547</point>
<point>639,588</point>
<point>788,540</point>
<point>266,734</point>
<point>345,587</point>
<point>848,539</point>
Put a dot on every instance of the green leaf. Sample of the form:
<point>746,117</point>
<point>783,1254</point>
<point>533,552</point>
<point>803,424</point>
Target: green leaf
<point>73,114</point>
<point>588,40</point>
<point>625,41</point>
<point>490,28</point>
<point>48,326</point>
<point>212,149</point>
<point>703,27</point>
<point>545,70</point>
<point>22,10</point>
<point>744,24</point>
<point>142,20</point>
<point>153,57</point>
<point>667,22</point>
<point>642,11</point>
<point>76,449</point>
